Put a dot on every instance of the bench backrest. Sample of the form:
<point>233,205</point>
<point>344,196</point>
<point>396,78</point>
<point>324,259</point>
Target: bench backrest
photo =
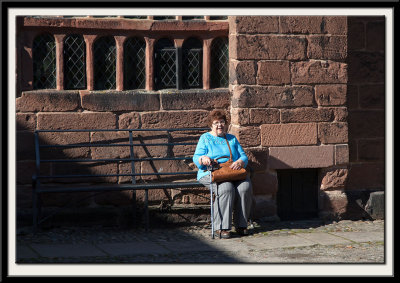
<point>115,155</point>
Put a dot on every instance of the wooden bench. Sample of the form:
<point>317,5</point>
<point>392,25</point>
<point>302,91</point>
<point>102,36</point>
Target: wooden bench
<point>103,160</point>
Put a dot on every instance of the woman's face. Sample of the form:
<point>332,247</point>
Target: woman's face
<point>218,127</point>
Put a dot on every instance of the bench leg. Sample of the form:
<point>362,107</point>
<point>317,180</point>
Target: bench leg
<point>146,204</point>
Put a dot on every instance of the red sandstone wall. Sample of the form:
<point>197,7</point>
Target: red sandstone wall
<point>289,84</point>
<point>301,90</point>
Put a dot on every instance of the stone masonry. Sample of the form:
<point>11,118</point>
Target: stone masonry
<point>304,92</point>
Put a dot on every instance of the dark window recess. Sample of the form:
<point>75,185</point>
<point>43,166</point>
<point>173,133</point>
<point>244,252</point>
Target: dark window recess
<point>74,62</point>
<point>220,62</point>
<point>188,18</point>
<point>136,17</point>
<point>134,64</point>
<point>297,196</point>
<point>179,68</point>
<point>192,63</point>
<point>218,17</point>
<point>44,62</point>
<point>104,54</point>
<point>164,18</point>
<point>165,64</point>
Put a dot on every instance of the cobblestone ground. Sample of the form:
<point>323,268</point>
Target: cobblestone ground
<point>369,252</point>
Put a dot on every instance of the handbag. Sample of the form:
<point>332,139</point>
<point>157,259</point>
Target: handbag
<point>223,172</point>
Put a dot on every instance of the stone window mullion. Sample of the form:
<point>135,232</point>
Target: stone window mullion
<point>60,61</point>
<point>120,62</point>
<point>149,63</point>
<point>89,39</point>
<point>206,63</point>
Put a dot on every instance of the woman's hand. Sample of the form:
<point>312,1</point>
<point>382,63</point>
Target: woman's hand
<point>205,160</point>
<point>238,164</point>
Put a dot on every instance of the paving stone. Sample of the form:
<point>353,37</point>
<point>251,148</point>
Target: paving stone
<point>361,237</point>
<point>67,250</point>
<point>324,238</point>
<point>279,241</point>
<point>24,251</point>
<point>132,248</point>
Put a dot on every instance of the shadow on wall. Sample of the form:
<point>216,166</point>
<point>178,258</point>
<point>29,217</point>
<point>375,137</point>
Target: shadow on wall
<point>108,201</point>
<point>366,113</point>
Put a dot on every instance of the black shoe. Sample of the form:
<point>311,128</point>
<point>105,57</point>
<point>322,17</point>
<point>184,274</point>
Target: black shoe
<point>242,231</point>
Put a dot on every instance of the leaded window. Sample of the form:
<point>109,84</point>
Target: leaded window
<point>134,63</point>
<point>192,63</point>
<point>44,62</point>
<point>165,63</point>
<point>220,62</point>
<point>188,18</point>
<point>164,18</point>
<point>218,17</point>
<point>74,62</point>
<point>104,55</point>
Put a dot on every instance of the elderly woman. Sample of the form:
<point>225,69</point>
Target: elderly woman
<point>233,197</point>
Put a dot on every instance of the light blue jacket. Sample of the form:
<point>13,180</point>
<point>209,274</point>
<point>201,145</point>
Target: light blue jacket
<point>215,147</point>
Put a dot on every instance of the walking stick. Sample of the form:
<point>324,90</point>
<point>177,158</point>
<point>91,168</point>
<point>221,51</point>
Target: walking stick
<point>209,169</point>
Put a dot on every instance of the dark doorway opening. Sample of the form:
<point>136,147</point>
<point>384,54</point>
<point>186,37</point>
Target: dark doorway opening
<point>297,196</point>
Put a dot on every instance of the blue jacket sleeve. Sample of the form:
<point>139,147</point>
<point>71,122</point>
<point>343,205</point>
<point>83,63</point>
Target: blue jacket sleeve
<point>201,149</point>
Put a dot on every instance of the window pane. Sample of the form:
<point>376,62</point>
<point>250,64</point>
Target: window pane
<point>74,62</point>
<point>134,63</point>
<point>164,18</point>
<point>192,63</point>
<point>218,17</point>
<point>186,18</point>
<point>220,62</point>
<point>165,64</point>
<point>104,56</point>
<point>44,62</point>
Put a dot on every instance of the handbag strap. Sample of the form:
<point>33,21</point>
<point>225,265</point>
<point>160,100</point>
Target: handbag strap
<point>230,152</point>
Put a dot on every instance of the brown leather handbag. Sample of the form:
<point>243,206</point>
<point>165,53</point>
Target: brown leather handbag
<point>224,173</point>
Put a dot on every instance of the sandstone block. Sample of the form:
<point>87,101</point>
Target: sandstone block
<point>306,114</point>
<point>47,101</point>
<point>367,124</point>
<point>247,136</point>
<point>289,134</point>
<point>195,99</point>
<point>301,157</point>
<point>340,114</point>
<point>264,116</point>
<point>372,96</point>
<point>53,121</point>
<point>366,176</point>
<point>301,24</point>
<point>331,95</point>
<point>242,72</point>
<point>174,119</point>
<point>269,47</point>
<point>26,121</point>
<point>333,179</point>
<point>258,158</point>
<point>129,121</point>
<point>335,25</point>
<point>341,154</point>
<point>327,47</point>
<point>371,149</point>
<point>273,72</point>
<point>264,183</point>
<point>240,116</point>
<point>333,132</point>
<point>366,67</point>
<point>64,139</point>
<point>272,96</point>
<point>318,72</point>
<point>120,101</point>
<point>254,24</point>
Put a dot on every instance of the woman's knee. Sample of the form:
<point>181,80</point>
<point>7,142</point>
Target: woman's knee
<point>244,187</point>
<point>226,189</point>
